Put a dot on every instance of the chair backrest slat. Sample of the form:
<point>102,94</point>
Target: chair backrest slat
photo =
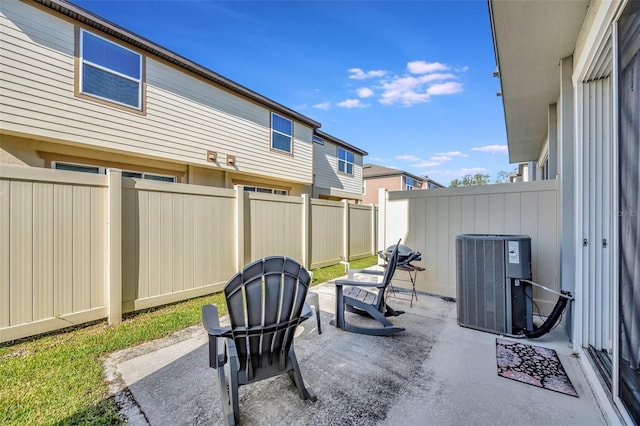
<point>263,299</point>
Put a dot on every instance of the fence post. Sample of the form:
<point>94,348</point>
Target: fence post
<point>240,213</point>
<point>114,243</point>
<point>306,231</point>
<point>373,228</point>
<point>382,218</point>
<point>345,231</point>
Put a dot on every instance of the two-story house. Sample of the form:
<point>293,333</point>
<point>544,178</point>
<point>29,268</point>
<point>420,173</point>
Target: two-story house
<point>376,177</point>
<point>80,93</point>
<point>337,168</point>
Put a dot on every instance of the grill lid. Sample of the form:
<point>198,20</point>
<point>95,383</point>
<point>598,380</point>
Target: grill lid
<point>405,254</point>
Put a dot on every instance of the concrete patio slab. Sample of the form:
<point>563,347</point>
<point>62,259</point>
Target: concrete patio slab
<point>435,373</point>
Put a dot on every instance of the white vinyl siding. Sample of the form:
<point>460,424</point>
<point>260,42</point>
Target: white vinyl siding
<point>184,115</point>
<point>326,169</point>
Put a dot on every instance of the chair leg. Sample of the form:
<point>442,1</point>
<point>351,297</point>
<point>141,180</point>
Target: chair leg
<point>386,329</point>
<point>296,376</point>
<point>228,378</point>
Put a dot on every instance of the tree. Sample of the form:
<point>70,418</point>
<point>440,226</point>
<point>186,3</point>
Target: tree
<point>503,176</point>
<point>469,180</point>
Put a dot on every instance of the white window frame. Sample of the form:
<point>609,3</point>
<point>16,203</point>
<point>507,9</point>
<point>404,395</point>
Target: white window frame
<point>139,81</point>
<point>103,171</point>
<point>408,186</point>
<point>265,190</point>
<point>290,151</point>
<point>346,161</point>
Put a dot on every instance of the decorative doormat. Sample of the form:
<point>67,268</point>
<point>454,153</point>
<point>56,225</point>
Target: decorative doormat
<point>533,365</point>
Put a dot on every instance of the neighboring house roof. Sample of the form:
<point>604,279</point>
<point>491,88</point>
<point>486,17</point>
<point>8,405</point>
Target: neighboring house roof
<point>85,17</point>
<point>434,183</point>
<point>529,39</point>
<point>375,171</point>
<point>337,141</point>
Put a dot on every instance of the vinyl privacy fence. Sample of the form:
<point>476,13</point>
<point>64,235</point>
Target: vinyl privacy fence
<point>76,247</point>
<point>428,221</point>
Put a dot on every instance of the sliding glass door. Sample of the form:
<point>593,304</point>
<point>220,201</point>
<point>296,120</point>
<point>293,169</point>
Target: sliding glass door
<point>629,209</point>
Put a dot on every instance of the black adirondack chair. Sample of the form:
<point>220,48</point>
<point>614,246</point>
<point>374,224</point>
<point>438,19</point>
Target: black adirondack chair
<point>355,296</point>
<point>266,302</point>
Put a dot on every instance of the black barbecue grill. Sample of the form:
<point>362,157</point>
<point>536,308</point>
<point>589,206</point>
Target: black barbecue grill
<point>406,255</point>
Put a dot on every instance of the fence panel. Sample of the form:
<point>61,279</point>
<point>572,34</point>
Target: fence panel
<point>429,221</point>
<point>360,231</point>
<point>327,229</point>
<point>52,250</point>
<point>275,223</point>
<point>178,241</point>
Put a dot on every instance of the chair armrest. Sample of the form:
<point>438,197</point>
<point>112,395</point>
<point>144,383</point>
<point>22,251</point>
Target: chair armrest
<point>211,321</point>
<point>374,272</point>
<point>341,283</point>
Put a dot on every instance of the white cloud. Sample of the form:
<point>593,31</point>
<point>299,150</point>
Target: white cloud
<point>440,158</point>
<point>360,74</point>
<point>416,85</point>
<point>493,149</point>
<point>322,105</point>
<point>365,92</point>
<point>422,67</point>
<point>351,103</point>
<point>436,77</point>
<point>453,154</point>
<point>407,157</point>
<point>458,173</point>
<point>448,88</point>
<point>426,164</point>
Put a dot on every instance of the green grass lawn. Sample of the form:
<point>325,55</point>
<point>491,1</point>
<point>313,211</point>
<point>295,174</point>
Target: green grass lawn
<point>57,378</point>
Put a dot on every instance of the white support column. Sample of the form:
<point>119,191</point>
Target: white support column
<point>114,245</point>
<point>240,213</point>
<point>566,171</point>
<point>552,125</point>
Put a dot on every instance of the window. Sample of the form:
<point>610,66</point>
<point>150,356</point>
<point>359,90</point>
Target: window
<point>544,168</point>
<point>109,71</point>
<point>318,140</point>
<point>103,170</point>
<point>281,133</point>
<point>408,184</point>
<point>266,190</point>
<point>345,161</point>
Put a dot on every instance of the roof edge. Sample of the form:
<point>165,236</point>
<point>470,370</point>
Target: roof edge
<point>340,142</point>
<point>83,16</point>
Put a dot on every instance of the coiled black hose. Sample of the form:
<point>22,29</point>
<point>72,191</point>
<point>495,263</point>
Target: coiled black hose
<point>552,319</point>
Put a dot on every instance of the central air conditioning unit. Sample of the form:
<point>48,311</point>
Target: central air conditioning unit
<point>490,295</point>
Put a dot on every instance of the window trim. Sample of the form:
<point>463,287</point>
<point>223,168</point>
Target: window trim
<point>78,74</point>
<point>102,170</point>
<point>51,158</point>
<point>408,186</point>
<point>273,148</point>
<point>346,161</point>
<point>265,190</point>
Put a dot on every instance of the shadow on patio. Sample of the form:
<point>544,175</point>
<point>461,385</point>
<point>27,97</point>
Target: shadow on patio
<point>434,373</point>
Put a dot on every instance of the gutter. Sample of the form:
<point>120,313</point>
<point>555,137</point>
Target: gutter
<point>85,17</point>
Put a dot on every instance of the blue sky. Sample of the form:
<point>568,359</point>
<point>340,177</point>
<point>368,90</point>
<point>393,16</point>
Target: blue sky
<point>410,82</point>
